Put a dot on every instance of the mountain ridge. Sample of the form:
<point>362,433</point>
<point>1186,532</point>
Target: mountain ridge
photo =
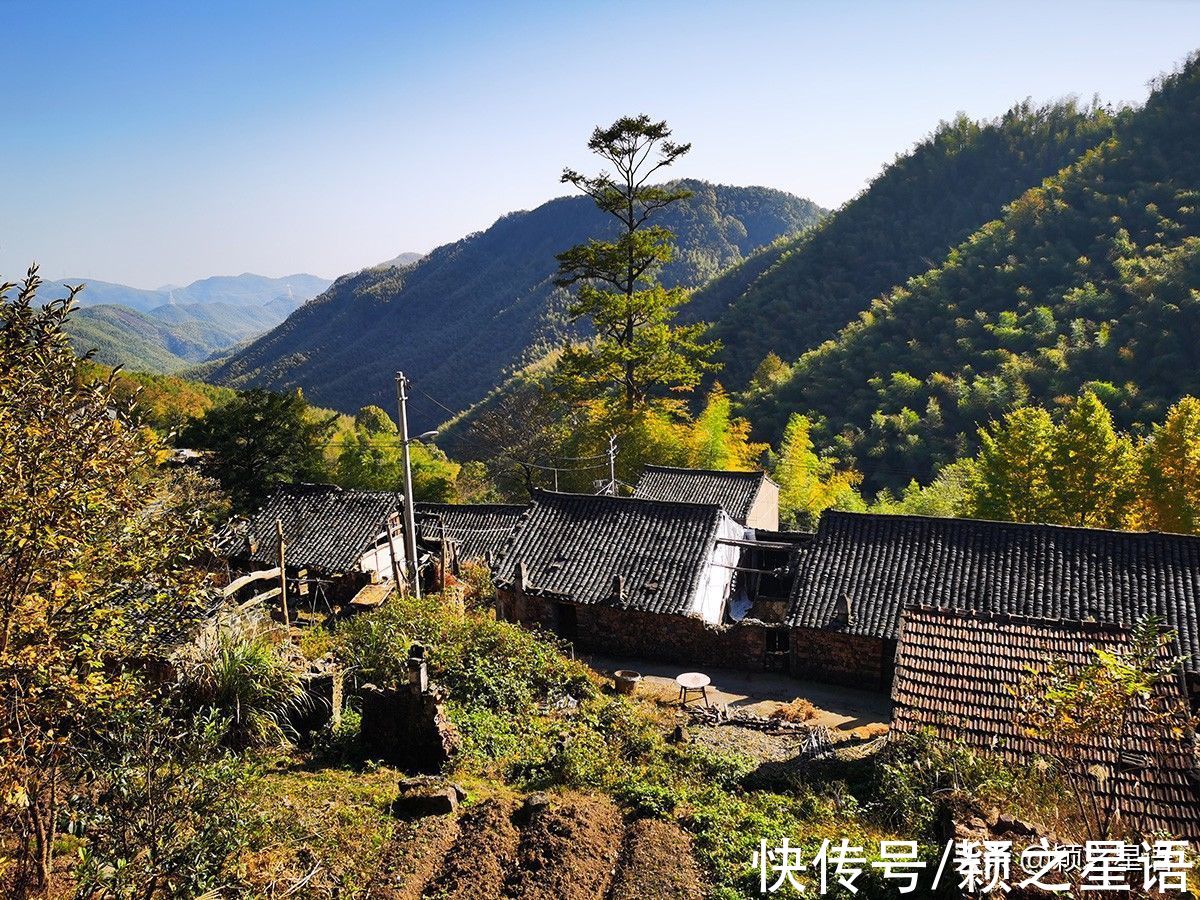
<point>458,320</point>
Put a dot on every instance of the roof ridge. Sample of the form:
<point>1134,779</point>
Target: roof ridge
<point>950,612</point>
<point>951,521</point>
<point>610,498</point>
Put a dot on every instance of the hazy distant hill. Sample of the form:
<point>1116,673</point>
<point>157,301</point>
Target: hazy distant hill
<point>469,312</point>
<point>166,329</point>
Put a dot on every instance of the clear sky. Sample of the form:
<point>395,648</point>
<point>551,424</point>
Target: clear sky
<point>154,143</point>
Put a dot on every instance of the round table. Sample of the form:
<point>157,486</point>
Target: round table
<point>693,686</point>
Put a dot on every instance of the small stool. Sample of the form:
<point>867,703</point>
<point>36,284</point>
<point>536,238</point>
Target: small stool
<point>693,686</point>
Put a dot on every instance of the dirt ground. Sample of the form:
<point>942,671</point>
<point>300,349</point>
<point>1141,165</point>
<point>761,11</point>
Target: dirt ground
<point>476,866</point>
<point>758,692</point>
<point>569,851</point>
<point>657,864</point>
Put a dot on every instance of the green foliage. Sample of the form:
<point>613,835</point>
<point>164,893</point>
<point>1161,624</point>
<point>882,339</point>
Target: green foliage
<point>1088,281</point>
<point>371,458</point>
<point>1079,472</point>
<point>637,352</point>
<point>97,552</point>
<point>720,441</point>
<point>948,495</point>
<point>250,678</point>
<point>808,483</point>
<point>1077,710</point>
<point>799,292</point>
<point>164,403</point>
<point>260,440</point>
<point>1170,495</point>
<point>913,771</point>
<point>164,814</point>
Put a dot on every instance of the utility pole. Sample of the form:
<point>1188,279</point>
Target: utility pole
<point>612,464</point>
<point>410,526</point>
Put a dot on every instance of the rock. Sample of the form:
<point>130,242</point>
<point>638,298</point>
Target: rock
<point>681,735</point>
<point>426,797</point>
<point>534,804</point>
<point>1006,824</point>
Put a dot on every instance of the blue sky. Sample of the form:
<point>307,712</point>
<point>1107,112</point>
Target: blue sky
<point>156,143</point>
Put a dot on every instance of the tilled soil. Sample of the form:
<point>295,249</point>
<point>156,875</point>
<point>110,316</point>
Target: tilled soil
<point>477,864</point>
<point>657,864</point>
<point>417,852</point>
<point>577,848</point>
<point>569,851</point>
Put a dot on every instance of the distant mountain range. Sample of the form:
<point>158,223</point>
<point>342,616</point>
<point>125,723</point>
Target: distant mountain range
<point>459,319</point>
<point>167,329</point>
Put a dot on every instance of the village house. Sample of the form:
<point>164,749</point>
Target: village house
<point>473,532</point>
<point>626,575</point>
<point>959,674</point>
<point>861,571</point>
<point>750,498</point>
<point>337,542</point>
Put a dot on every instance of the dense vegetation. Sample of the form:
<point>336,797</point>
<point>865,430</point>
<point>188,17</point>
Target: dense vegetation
<point>1089,280</point>
<point>797,293</point>
<point>469,312</point>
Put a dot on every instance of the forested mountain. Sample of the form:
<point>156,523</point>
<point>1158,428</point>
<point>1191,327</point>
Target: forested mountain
<point>1091,279</point>
<point>792,296</point>
<point>469,312</point>
<point>170,328</point>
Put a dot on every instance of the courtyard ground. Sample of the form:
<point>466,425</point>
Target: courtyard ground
<point>758,692</point>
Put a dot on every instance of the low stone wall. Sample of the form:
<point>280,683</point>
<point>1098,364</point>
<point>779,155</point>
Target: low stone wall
<point>829,656</point>
<point>629,632</point>
<point>407,728</point>
<point>839,658</point>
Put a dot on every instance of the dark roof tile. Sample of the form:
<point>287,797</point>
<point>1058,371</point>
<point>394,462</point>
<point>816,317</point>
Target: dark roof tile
<point>324,527</point>
<point>482,531</point>
<point>958,673</point>
<point>734,492</point>
<point>883,563</point>
<point>573,545</point>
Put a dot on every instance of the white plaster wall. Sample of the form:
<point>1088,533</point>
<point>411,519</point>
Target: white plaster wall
<point>712,593</point>
<point>378,560</point>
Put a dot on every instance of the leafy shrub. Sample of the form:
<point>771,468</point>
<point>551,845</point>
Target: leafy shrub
<point>913,770</point>
<point>253,683</point>
<point>162,813</point>
<point>340,744</point>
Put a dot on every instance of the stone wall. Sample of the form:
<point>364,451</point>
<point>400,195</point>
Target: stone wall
<point>849,659</point>
<point>628,632</point>
<point>407,728</point>
<point>820,655</point>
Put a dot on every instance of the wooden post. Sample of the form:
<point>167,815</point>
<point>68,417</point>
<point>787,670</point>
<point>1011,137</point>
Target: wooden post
<point>282,574</point>
<point>393,525</point>
<point>442,530</point>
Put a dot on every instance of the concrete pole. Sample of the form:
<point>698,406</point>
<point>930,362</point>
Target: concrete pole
<point>410,526</point>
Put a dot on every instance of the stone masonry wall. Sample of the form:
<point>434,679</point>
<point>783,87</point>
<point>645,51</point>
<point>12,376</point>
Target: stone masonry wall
<point>839,658</point>
<point>628,632</point>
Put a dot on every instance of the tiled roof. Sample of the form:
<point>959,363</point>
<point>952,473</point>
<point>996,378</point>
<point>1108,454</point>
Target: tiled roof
<point>482,531</point>
<point>734,492</point>
<point>957,674</point>
<point>881,563</point>
<point>573,545</point>
<point>324,527</point>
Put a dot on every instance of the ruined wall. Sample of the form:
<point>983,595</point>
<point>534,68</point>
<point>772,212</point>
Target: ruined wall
<point>407,728</point>
<point>838,658</point>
